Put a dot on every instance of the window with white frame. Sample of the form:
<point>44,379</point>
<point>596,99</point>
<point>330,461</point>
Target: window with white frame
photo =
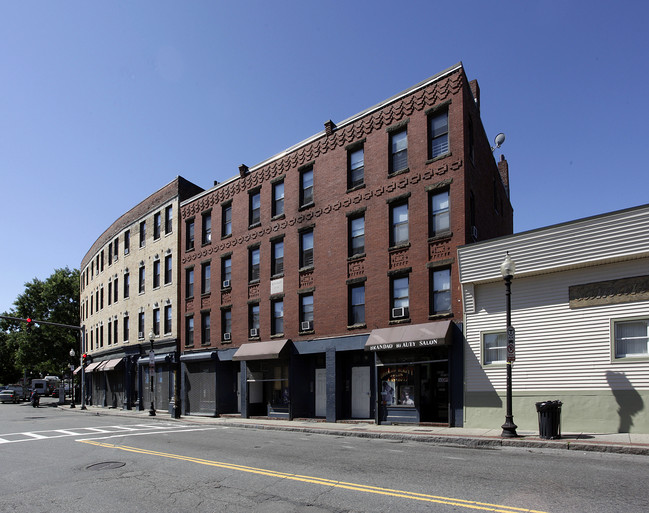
<point>494,348</point>
<point>631,338</point>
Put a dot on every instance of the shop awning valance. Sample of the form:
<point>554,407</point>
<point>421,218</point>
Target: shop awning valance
<point>269,350</point>
<point>416,336</point>
<point>93,366</point>
<point>111,364</point>
<point>77,370</point>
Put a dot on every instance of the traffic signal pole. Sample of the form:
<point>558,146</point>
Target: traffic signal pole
<point>82,331</point>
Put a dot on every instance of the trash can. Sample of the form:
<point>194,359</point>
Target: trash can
<point>549,419</point>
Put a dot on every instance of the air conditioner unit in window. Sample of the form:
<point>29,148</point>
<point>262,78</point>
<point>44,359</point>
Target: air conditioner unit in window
<point>474,232</point>
<point>399,313</point>
<point>254,332</point>
<point>140,334</point>
<point>306,326</point>
<point>226,335</point>
<point>226,284</point>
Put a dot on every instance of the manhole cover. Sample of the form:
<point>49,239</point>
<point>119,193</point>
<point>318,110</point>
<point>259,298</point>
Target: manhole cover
<point>105,465</point>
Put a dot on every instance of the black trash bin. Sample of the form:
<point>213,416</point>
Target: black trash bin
<point>549,419</point>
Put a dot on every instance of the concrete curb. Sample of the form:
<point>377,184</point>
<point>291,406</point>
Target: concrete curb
<point>467,441</point>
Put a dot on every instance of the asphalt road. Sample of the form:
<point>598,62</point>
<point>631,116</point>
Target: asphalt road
<point>53,460</point>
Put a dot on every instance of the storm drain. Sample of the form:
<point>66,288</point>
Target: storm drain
<point>106,465</point>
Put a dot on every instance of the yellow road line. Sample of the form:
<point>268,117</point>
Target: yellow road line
<point>483,506</point>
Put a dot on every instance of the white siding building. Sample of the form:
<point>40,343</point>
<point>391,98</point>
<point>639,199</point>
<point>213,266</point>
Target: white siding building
<point>580,308</point>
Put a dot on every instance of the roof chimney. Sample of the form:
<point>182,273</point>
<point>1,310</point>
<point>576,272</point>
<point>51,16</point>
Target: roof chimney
<point>503,169</point>
<point>475,90</point>
<point>329,127</point>
<point>243,169</point>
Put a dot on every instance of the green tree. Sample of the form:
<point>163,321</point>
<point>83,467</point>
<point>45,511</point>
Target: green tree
<point>45,349</point>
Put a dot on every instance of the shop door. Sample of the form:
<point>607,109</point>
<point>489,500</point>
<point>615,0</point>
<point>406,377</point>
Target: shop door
<point>321,392</point>
<point>360,392</point>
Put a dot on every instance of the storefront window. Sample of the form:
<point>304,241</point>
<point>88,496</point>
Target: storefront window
<point>397,386</point>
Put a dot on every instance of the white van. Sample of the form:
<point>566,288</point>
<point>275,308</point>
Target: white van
<point>40,386</point>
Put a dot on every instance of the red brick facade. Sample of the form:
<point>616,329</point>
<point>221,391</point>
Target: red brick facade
<point>479,206</point>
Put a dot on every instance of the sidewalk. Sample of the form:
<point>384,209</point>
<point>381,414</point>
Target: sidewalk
<point>621,443</point>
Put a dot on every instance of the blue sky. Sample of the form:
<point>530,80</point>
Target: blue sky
<point>102,103</point>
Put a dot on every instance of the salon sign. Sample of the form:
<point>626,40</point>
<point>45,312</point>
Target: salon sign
<point>411,344</point>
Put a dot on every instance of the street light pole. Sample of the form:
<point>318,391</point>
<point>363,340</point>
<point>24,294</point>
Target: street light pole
<point>151,373</point>
<point>72,353</point>
<point>507,270</point>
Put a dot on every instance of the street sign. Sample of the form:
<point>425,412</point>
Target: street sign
<point>151,359</point>
<point>511,347</point>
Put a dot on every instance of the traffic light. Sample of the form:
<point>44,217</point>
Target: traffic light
<point>30,324</point>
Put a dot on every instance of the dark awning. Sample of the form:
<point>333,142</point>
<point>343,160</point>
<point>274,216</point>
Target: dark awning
<point>410,337</point>
<point>199,356</point>
<point>269,350</point>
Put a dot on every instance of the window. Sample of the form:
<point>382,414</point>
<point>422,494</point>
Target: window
<point>140,325</point>
<point>306,187</point>
<point>189,235</point>
<point>206,328</point>
<point>356,168</point>
<point>253,264</point>
<point>110,254</point>
<point>494,348</point>
<point>398,151</point>
<point>253,319</point>
<point>206,236</point>
<point>357,305</point>
<point>255,208</point>
<point>226,220</point>
<point>277,258</point>
<point>110,293</point>
<point>168,269</point>
<point>115,289</point>
<point>127,241</point>
<point>110,332</point>
<point>206,278</point>
<point>125,328</point>
<point>226,324</point>
<point>439,214</point>
<point>438,134</point>
<point>399,223</point>
<point>115,331</point>
<point>168,219</point>
<point>142,233</point>
<point>101,297</point>
<point>278,199</point>
<point>156,274</point>
<point>189,331</point>
<point>399,298</point>
<point>277,317</point>
<point>156,322</point>
<point>116,248</point>
<point>157,225</point>
<point>306,312</point>
<point>226,272</point>
<point>127,284</point>
<point>441,291</point>
<point>167,326</point>
<point>631,338</point>
<point>306,249</point>
<point>356,235</point>
<point>189,282</point>
<point>141,281</point>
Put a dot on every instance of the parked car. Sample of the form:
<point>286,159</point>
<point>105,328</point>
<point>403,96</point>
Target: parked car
<point>9,395</point>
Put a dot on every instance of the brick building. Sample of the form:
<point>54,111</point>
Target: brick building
<point>323,281</point>
<point>129,296</point>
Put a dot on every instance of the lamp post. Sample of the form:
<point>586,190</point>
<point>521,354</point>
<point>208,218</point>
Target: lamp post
<point>507,270</point>
<point>72,353</point>
<point>151,373</point>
